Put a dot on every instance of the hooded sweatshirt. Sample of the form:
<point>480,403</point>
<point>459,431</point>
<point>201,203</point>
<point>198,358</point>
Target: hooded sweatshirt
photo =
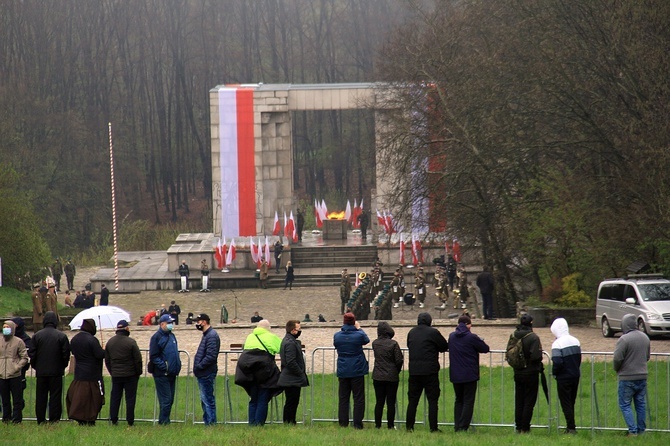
<point>464,350</point>
<point>566,353</point>
<point>425,344</point>
<point>632,351</point>
<point>13,354</point>
<point>388,356</point>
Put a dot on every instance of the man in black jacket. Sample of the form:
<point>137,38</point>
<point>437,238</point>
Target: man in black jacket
<point>424,344</point>
<point>184,272</point>
<point>49,356</point>
<point>104,295</point>
<point>124,362</point>
<point>205,367</point>
<point>527,379</point>
<point>293,373</point>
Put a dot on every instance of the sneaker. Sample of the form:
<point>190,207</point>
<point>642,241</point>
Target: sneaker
<point>421,305</point>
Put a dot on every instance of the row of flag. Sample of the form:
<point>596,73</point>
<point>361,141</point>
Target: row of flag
<point>385,220</point>
<point>350,213</point>
<point>417,250</point>
<point>224,254</point>
<point>290,231</point>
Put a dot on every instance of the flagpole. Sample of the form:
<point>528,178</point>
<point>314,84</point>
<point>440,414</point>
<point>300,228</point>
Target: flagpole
<point>116,248</point>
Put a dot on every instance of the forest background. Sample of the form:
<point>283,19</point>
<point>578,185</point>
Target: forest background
<point>548,120</point>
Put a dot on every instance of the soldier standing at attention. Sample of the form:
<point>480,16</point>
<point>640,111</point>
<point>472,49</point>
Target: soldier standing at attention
<point>70,271</point>
<point>38,308</point>
<point>57,271</point>
<point>184,273</point>
<point>420,287</point>
<point>345,290</point>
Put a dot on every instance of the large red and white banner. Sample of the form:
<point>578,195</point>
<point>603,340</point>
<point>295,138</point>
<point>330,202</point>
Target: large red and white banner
<point>238,182</point>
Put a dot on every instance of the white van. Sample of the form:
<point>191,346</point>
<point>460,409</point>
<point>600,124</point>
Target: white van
<point>647,296</point>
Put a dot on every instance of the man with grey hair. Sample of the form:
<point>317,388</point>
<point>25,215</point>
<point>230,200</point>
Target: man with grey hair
<point>631,354</point>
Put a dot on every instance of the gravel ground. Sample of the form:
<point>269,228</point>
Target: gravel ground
<point>278,306</point>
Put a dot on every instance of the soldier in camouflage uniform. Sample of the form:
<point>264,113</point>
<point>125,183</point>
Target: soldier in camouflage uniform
<point>420,287</point>
<point>395,289</point>
<point>345,290</point>
<point>441,287</point>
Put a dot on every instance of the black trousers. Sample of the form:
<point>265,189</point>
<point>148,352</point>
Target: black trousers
<point>291,401</point>
<point>49,389</point>
<point>487,299</point>
<point>567,395</point>
<point>349,386</point>
<point>464,404</point>
<point>386,392</point>
<point>119,385</point>
<point>11,391</point>
<point>525,396</point>
<point>417,384</point>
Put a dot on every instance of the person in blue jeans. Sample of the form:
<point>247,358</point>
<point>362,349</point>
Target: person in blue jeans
<point>165,366</point>
<point>631,354</point>
<point>205,367</point>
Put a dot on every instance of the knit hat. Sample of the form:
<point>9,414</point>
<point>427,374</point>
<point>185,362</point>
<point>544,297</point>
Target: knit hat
<point>349,319</point>
<point>527,320</point>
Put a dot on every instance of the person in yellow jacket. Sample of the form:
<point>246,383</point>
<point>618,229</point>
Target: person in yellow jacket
<point>13,357</point>
<point>261,390</point>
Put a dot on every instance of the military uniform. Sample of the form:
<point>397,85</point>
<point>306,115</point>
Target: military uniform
<point>264,275</point>
<point>57,271</point>
<point>441,287</point>
<point>345,290</point>
<point>38,308</point>
<point>420,287</point>
<point>70,272</point>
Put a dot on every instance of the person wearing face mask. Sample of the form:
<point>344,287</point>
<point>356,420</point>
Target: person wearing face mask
<point>164,365</point>
<point>85,396</point>
<point>124,362</point>
<point>205,367</point>
<point>13,357</point>
<point>293,375</point>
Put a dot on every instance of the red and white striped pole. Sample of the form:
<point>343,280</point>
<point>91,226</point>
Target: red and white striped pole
<point>116,249</point>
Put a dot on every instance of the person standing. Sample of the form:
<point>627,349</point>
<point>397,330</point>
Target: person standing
<point>420,287</point>
<point>70,271</point>
<point>174,310</point>
<point>352,366</point>
<point>631,354</point>
<point>165,366</point>
<point>13,357</point>
<point>293,374</point>
<point>85,396</point>
<point>256,318</point>
<point>486,284</point>
<point>51,299</point>
<point>300,223</point>
<point>205,367</point>
<point>104,295</point>
<point>57,272</point>
<point>124,363</point>
<point>278,249</point>
<point>425,343</point>
<point>345,290</point>
<point>290,276</point>
<point>20,332</point>
<point>464,350</point>
<point>385,374</point>
<point>49,356</point>
<point>38,308</point>
<point>204,273</point>
<point>183,274</point>
<point>264,273</point>
<point>566,361</point>
<point>260,370</point>
<point>364,220</point>
<point>527,379</point>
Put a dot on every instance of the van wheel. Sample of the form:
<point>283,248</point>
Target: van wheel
<point>642,326</point>
<point>607,330</point>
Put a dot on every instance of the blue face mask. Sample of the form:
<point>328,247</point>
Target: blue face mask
<point>6,331</point>
<point>169,327</point>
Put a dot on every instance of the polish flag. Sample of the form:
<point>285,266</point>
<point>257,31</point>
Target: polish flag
<point>218,255</point>
<point>260,251</point>
<point>267,251</point>
<point>347,212</point>
<point>381,221</point>
<point>291,224</point>
<point>231,253</point>
<point>417,251</point>
<point>389,223</point>
<point>253,250</point>
<point>323,209</point>
<point>457,250</point>
<point>237,160</point>
<point>276,229</point>
<point>317,214</point>
<point>402,249</point>
<point>354,215</point>
<point>287,232</point>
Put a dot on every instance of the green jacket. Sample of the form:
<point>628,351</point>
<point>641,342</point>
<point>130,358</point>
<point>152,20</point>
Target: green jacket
<point>269,339</point>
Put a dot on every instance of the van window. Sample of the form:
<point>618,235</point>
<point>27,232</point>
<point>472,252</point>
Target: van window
<point>612,291</point>
<point>655,292</point>
<point>630,292</point>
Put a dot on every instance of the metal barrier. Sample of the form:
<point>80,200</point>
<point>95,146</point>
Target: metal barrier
<point>596,408</point>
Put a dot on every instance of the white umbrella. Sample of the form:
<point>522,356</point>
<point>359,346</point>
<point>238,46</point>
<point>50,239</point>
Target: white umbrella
<point>105,316</point>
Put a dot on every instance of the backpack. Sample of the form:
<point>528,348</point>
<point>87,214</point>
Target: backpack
<point>514,353</point>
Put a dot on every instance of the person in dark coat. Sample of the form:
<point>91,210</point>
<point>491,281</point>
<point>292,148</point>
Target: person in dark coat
<point>124,362</point>
<point>174,310</point>
<point>300,223</point>
<point>165,366</point>
<point>290,276</point>
<point>388,364</point>
<point>278,249</point>
<point>364,220</point>
<point>293,371</point>
<point>20,333</point>
<point>104,295</point>
<point>184,272</point>
<point>49,356</point>
<point>486,284</point>
<point>425,344</point>
<point>205,367</point>
<point>352,366</point>
<point>527,380</point>
<point>85,396</point>
<point>464,350</point>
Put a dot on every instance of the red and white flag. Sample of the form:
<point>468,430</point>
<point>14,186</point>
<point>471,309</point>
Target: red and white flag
<point>402,249</point>
<point>287,232</point>
<point>417,251</point>
<point>347,212</point>
<point>390,228</point>
<point>253,250</point>
<point>277,226</point>
<point>354,215</point>
<point>317,214</point>
<point>291,225</point>
<point>381,221</point>
<point>218,255</point>
<point>323,210</point>
<point>457,250</point>
<point>267,252</point>
<point>231,253</point>
<point>260,252</point>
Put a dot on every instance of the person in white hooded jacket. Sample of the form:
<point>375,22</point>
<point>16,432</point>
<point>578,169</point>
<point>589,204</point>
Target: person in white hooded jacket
<point>566,361</point>
<point>13,357</point>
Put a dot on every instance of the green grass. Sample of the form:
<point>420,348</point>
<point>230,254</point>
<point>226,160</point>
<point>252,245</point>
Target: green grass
<point>14,302</point>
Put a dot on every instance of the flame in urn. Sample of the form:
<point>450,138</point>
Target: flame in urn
<point>335,215</point>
